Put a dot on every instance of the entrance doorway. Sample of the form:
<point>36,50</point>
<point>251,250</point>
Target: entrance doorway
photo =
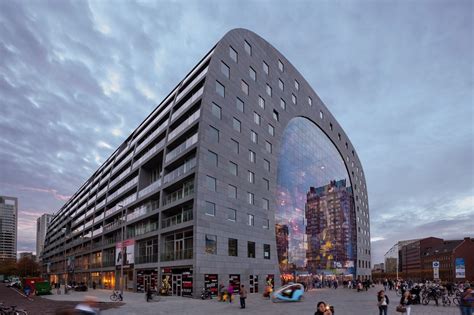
<point>176,283</point>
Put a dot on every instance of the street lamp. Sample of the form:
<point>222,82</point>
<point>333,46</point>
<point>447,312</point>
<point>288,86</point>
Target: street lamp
<point>122,249</point>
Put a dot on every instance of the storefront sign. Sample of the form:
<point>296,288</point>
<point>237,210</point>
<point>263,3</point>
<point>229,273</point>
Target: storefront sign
<point>210,283</point>
<point>460,268</point>
<point>187,283</point>
<point>235,281</point>
<point>125,250</point>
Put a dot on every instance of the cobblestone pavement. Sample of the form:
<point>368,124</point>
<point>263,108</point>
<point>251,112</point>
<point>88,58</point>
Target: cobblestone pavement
<point>39,305</point>
<point>345,302</point>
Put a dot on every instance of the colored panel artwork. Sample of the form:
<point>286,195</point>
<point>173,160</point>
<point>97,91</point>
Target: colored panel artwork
<point>460,268</point>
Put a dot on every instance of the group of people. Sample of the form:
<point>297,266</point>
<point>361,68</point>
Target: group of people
<point>225,294</point>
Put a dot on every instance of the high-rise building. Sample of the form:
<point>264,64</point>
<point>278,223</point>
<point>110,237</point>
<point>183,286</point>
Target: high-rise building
<point>211,187</point>
<point>41,228</point>
<point>8,228</point>
<point>27,255</point>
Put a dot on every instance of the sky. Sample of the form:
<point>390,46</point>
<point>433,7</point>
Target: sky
<point>77,77</point>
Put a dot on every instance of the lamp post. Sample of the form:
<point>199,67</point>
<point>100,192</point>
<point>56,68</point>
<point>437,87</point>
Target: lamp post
<point>122,249</point>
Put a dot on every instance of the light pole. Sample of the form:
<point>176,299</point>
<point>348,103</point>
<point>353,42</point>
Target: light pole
<point>122,249</point>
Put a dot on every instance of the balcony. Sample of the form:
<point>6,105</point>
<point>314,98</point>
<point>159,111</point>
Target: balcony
<point>177,255</point>
<point>149,153</point>
<point>186,190</point>
<point>120,204</point>
<point>181,148</point>
<point>143,210</point>
<point>141,229</point>
<point>112,225</point>
<point>100,204</point>
<point>97,231</point>
<point>152,135</point>
<point>99,217</point>
<point>179,218</point>
<point>108,263</point>
<point>188,122</point>
<point>125,160</point>
<point>122,175</point>
<point>154,186</point>
<point>180,170</point>
<point>191,84</point>
<point>188,103</point>
<point>146,259</point>
<point>123,188</point>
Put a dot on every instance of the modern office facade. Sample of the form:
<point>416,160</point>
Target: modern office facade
<point>41,228</point>
<point>8,228</point>
<point>212,186</point>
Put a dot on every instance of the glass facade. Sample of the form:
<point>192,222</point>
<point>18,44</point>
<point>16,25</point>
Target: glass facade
<point>315,217</point>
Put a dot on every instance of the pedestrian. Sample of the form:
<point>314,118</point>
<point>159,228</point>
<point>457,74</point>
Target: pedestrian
<point>230,292</point>
<point>93,285</point>
<point>149,294</point>
<point>323,309</point>
<point>383,302</point>
<point>406,301</point>
<point>467,301</point>
<point>220,296</point>
<point>243,296</point>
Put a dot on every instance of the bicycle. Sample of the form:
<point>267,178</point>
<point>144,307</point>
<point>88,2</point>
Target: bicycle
<point>12,310</point>
<point>116,296</point>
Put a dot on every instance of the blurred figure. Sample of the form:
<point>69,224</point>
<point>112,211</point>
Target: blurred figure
<point>323,309</point>
<point>88,307</point>
<point>382,302</point>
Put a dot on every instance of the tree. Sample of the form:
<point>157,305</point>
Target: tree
<point>8,268</point>
<point>27,267</point>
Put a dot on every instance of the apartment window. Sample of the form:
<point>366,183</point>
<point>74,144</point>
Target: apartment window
<point>235,146</point>
<point>233,54</point>
<point>250,198</point>
<point>330,126</point>
<point>266,165</point>
<point>251,177</point>
<point>216,110</point>
<point>248,48</point>
<point>321,115</point>
<point>293,98</point>
<point>231,214</point>
<point>213,134</point>
<point>265,68</point>
<point>261,102</point>
<point>347,147</point>
<point>252,74</point>
<point>233,168</point>
<point>232,192</point>
<point>251,220</point>
<point>211,244</point>
<point>282,104</point>
<point>225,70</point>
<point>267,183</point>
<point>253,136</point>
<point>339,136</point>
<point>310,101</point>
<point>297,85</point>
<point>252,156</point>
<point>256,118</point>
<point>240,105</point>
<point>280,65</point>
<point>269,90</point>
<point>245,87</point>
<point>233,247</point>
<point>266,251</point>
<point>211,183</point>
<point>281,85</point>
<point>213,159</point>
<point>251,249</point>
<point>276,116</point>
<point>236,125</point>
<point>210,208</point>
<point>268,147</point>
<point>220,89</point>
<point>271,130</point>
<point>266,204</point>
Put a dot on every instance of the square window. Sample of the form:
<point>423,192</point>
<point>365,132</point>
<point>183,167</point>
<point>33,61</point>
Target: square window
<point>280,65</point>
<point>213,159</point>
<point>256,118</point>
<point>267,183</point>
<point>216,110</point>
<point>251,177</point>
<point>233,247</point>
<point>252,74</point>
<point>253,136</point>
<point>233,168</point>
<point>271,130</point>
<point>266,204</point>
<point>266,251</point>
<point>269,90</point>
<point>211,244</point>
<point>268,147</point>
<point>225,70</point>
<point>231,214</point>
<point>213,134</point>
<point>232,192</point>
<point>252,156</point>
<point>233,54</point>
<point>266,165</point>
<point>310,101</point>
<point>248,48</point>
<point>251,220</point>
<point>251,198</point>
<point>282,104</point>
<point>265,68</point>
<point>261,102</point>
<point>297,85</point>
<point>210,208</point>
<point>220,89</point>
<point>235,146</point>
<point>245,87</point>
<point>211,183</point>
<point>293,98</point>
<point>281,85</point>
<point>236,124</point>
<point>251,249</point>
<point>240,105</point>
<point>276,116</point>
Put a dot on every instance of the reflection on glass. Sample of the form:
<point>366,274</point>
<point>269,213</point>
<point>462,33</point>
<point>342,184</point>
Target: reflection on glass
<point>315,219</point>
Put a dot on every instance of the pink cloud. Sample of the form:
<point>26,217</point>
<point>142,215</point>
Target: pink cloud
<point>53,192</point>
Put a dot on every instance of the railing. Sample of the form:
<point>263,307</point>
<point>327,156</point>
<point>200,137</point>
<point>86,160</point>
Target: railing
<point>186,190</point>
<point>180,170</point>
<point>152,135</point>
<point>177,255</point>
<point>152,123</point>
<point>100,204</point>
<point>154,149</point>
<point>126,186</point>
<point>123,203</point>
<point>182,147</point>
<point>88,213</point>
<point>97,245</point>
<point>88,223</point>
<point>192,83</point>
<point>99,217</point>
<point>122,175</point>
<point>98,231</point>
<point>141,229</point>
<point>146,259</point>
<point>155,185</point>
<point>105,179</point>
<point>142,210</point>
<point>186,104</point>
<point>102,191</point>
<point>125,160</point>
<point>108,263</point>
<point>179,218</point>
<point>191,119</point>
<point>112,225</point>
<point>95,265</point>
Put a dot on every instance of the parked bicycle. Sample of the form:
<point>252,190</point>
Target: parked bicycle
<point>11,310</point>
<point>116,296</point>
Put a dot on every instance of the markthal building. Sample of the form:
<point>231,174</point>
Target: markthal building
<point>240,175</point>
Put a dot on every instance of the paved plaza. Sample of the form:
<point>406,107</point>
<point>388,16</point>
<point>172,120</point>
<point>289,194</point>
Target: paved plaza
<point>345,301</point>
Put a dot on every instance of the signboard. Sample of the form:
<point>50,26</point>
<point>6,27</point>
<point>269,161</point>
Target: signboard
<point>436,270</point>
<point>460,268</point>
<point>435,264</point>
<point>210,283</point>
<point>187,283</point>
<point>235,281</point>
<point>125,250</point>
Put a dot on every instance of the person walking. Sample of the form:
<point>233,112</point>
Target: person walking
<point>230,292</point>
<point>406,302</point>
<point>467,301</point>
<point>383,302</point>
<point>243,296</point>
